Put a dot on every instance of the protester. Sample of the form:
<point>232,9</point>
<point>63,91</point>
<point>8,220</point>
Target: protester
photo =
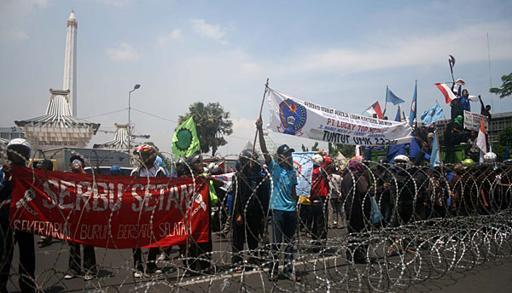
<point>283,204</point>
<point>354,187</point>
<point>48,166</point>
<point>146,155</point>
<point>485,110</point>
<point>251,197</point>
<point>318,198</point>
<point>18,154</point>
<point>197,257</point>
<point>77,164</point>
<point>335,194</point>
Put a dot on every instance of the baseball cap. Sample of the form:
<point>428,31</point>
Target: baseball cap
<point>284,149</point>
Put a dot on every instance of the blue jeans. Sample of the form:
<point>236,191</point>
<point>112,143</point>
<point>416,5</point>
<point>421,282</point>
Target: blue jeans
<point>284,224</point>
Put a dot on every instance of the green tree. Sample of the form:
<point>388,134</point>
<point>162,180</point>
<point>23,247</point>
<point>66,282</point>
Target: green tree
<point>212,125</point>
<point>506,88</point>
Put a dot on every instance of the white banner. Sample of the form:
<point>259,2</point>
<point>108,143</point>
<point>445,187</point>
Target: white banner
<point>303,163</point>
<point>472,121</point>
<point>293,116</point>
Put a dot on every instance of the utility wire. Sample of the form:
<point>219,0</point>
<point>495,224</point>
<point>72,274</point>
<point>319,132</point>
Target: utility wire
<point>104,114</point>
<point>166,119</point>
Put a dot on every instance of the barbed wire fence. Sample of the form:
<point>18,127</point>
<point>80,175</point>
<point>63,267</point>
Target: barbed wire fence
<point>435,221</point>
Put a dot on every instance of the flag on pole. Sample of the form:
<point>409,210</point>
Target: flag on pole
<point>398,117</point>
<point>433,114</point>
<point>412,113</point>
<point>481,139</point>
<point>375,109</point>
<point>396,149</point>
<point>449,96</point>
<point>435,156</point>
<point>185,141</point>
<point>392,98</point>
<point>451,61</point>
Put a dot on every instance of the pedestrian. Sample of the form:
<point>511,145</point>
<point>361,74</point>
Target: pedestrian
<point>18,154</point>
<point>283,205</point>
<point>77,164</point>
<point>251,198</point>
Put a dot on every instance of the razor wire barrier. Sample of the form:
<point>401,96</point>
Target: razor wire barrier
<point>434,221</point>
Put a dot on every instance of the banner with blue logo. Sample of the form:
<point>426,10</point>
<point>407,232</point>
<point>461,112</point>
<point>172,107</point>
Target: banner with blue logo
<point>293,116</point>
<point>303,164</point>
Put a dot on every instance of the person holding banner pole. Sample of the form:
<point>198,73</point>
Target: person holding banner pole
<point>77,164</point>
<point>147,168</point>
<point>283,204</point>
<point>18,153</point>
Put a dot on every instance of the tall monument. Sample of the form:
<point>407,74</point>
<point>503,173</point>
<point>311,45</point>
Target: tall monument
<point>69,82</point>
<point>59,127</point>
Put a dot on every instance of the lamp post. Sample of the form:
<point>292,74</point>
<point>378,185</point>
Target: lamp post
<point>135,87</point>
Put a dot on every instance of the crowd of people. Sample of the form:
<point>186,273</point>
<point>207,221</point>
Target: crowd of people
<point>364,194</point>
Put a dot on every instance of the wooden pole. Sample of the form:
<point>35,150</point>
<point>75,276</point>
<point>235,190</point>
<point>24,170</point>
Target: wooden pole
<point>259,116</point>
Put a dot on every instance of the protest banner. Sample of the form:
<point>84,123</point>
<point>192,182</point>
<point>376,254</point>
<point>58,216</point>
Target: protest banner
<point>293,116</point>
<point>110,211</point>
<point>472,121</point>
<point>303,164</point>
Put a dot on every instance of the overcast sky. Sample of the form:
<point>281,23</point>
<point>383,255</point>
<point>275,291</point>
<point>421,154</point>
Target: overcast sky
<point>336,53</point>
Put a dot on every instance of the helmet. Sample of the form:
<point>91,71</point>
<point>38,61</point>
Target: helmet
<point>19,146</point>
<point>401,159</point>
<point>468,162</point>
<point>490,157</point>
<point>144,148</point>
<point>19,142</point>
<point>247,155</point>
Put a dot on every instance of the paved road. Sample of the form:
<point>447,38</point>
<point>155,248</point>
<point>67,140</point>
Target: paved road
<point>115,275</point>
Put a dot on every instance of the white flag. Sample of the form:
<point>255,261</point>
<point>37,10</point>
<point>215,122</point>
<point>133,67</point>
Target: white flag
<point>481,140</point>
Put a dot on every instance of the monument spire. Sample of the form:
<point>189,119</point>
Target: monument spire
<point>69,82</point>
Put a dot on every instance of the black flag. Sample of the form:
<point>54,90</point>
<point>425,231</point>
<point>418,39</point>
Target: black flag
<point>451,62</point>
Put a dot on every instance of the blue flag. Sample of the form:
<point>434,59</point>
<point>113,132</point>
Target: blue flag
<point>412,114</point>
<point>433,114</point>
<point>397,116</point>
<point>435,156</point>
<point>392,98</point>
<point>396,149</point>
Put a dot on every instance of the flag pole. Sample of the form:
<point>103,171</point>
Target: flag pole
<point>259,115</point>
<point>385,103</point>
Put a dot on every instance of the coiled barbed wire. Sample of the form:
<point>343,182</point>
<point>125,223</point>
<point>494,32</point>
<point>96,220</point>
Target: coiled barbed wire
<point>434,221</point>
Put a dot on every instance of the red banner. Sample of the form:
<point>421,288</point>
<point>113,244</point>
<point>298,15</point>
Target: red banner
<point>110,211</point>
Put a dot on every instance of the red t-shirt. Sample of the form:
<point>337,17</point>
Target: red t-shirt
<point>320,183</point>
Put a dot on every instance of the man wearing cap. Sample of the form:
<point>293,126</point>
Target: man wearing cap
<point>283,204</point>
<point>18,153</point>
<point>77,164</point>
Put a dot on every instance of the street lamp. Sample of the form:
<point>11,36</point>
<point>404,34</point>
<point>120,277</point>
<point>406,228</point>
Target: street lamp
<point>135,87</point>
